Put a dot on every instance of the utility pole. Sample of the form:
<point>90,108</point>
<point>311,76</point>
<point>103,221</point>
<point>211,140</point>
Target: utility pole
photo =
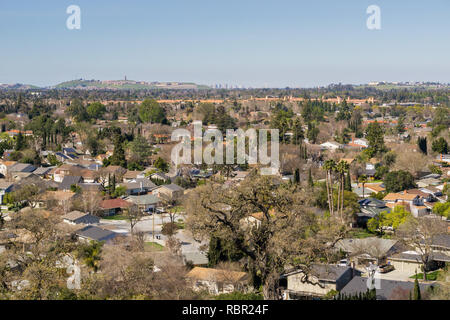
<point>153,231</point>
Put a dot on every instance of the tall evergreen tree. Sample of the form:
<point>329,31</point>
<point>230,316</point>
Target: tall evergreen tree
<point>417,295</point>
<point>348,182</point>
<point>20,142</point>
<point>297,176</point>
<point>422,143</point>
<point>310,179</point>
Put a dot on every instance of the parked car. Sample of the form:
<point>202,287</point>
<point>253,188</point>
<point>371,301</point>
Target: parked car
<point>343,263</point>
<point>386,268</point>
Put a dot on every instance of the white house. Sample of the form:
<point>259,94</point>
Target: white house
<point>331,145</point>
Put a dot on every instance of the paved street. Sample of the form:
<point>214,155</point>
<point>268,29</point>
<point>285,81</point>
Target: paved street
<point>146,226</point>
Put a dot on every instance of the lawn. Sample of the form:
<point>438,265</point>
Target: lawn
<point>360,234</point>
<point>154,246</point>
<point>115,217</point>
<point>431,276</point>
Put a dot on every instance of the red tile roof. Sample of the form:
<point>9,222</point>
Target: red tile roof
<point>114,203</point>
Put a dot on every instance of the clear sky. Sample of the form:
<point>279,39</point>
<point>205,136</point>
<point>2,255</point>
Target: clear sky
<point>296,43</point>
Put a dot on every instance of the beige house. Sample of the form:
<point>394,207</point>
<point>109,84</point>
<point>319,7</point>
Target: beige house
<point>322,279</point>
<point>169,191</point>
<point>217,281</point>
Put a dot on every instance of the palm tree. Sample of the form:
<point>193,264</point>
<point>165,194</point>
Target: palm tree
<point>330,166</point>
<point>362,179</point>
<point>342,168</point>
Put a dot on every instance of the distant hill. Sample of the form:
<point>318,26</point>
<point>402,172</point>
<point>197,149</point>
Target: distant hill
<point>17,86</point>
<point>125,85</point>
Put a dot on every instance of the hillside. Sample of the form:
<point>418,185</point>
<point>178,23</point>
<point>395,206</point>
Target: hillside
<point>125,85</point>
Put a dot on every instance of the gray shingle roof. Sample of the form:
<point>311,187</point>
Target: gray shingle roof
<point>22,167</point>
<point>96,233</point>
<point>71,216</point>
<point>146,199</point>
<point>386,289</point>
<point>442,240</point>
<point>172,187</point>
<point>42,170</point>
<point>69,181</point>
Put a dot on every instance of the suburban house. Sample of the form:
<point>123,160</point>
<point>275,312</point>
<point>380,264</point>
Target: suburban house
<point>61,198</point>
<point>146,202</point>
<point>43,172</point>
<point>68,182</point>
<point>112,207</point>
<point>5,187</point>
<point>66,170</point>
<point>159,176</point>
<point>411,201</point>
<point>323,278</point>
<point>130,175</point>
<point>410,261</point>
<point>359,143</point>
<point>330,145</point>
<point>93,233</point>
<point>5,166</point>
<point>139,186</point>
<point>366,251</point>
<point>370,208</point>
<point>21,167</point>
<point>77,217</point>
<point>170,191</point>
<point>217,281</point>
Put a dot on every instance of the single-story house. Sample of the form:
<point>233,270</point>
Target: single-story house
<point>110,207</point>
<point>146,202</point>
<point>43,172</point>
<point>217,281</point>
<point>68,182</point>
<point>330,145</point>
<point>5,187</point>
<point>62,198</point>
<point>77,217</point>
<point>21,167</point>
<point>159,176</point>
<point>171,191</point>
<point>139,186</point>
<point>93,233</point>
<point>322,279</point>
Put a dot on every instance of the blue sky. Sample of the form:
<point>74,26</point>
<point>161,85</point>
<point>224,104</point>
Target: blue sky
<point>260,43</point>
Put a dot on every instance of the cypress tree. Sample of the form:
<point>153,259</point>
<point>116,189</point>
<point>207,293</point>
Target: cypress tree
<point>297,176</point>
<point>114,183</point>
<point>422,143</point>
<point>109,183</point>
<point>348,182</point>
<point>417,295</point>
<point>310,179</point>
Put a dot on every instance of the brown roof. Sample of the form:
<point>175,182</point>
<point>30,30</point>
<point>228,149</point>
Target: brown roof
<point>375,187</point>
<point>399,196</point>
<point>131,174</point>
<point>57,195</point>
<point>209,274</point>
<point>114,203</point>
<point>418,192</point>
<point>114,169</point>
